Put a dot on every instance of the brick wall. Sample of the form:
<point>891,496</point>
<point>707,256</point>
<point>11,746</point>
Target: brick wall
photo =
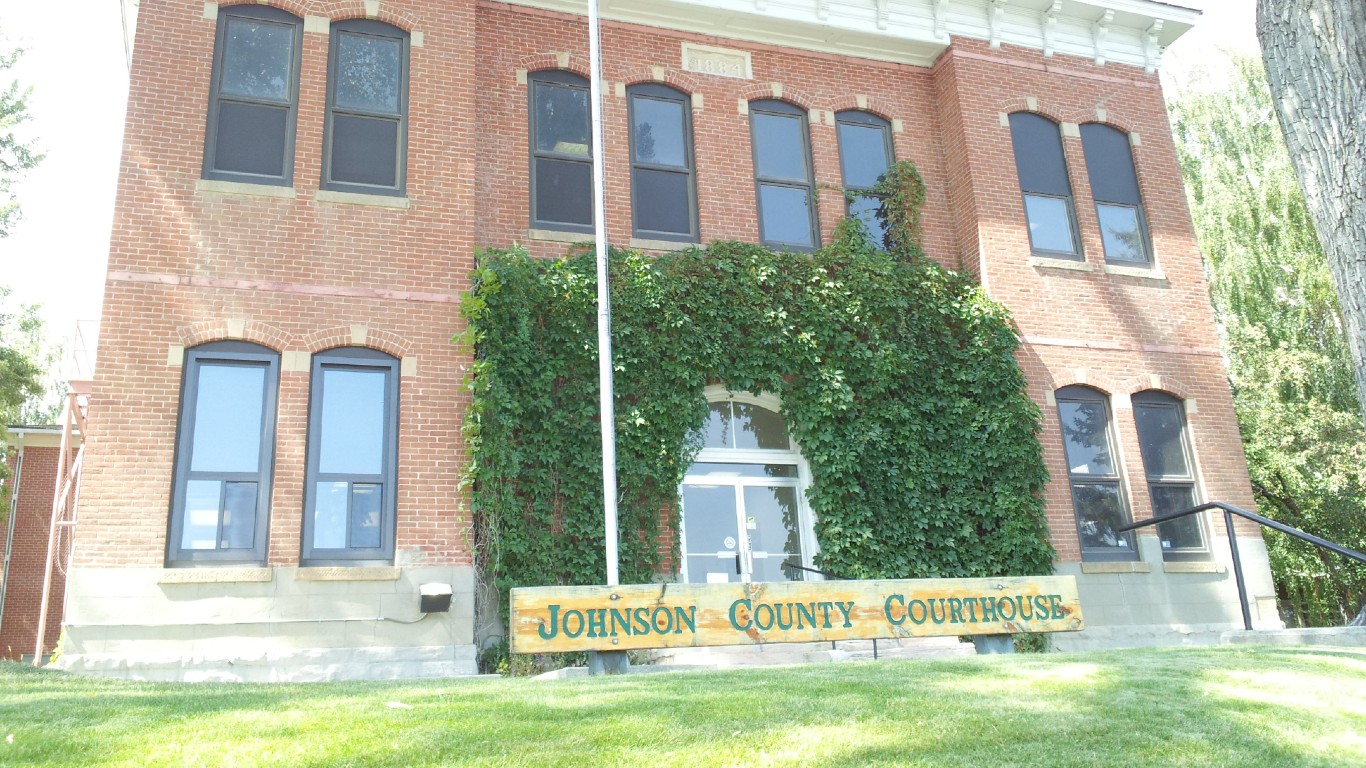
<point>27,553</point>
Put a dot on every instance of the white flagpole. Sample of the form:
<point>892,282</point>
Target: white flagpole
<point>606,406</point>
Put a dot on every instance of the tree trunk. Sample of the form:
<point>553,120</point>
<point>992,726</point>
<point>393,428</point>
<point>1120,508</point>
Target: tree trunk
<point>1315,55</point>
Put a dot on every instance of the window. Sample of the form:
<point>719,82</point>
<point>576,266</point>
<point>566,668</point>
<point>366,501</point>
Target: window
<point>663,195</point>
<point>254,96</point>
<point>782,175</point>
<point>1114,185</point>
<point>1093,473</point>
<point>865,154</point>
<point>1042,169</point>
<point>561,152</point>
<point>1161,423</point>
<point>367,107</point>
<point>743,507</point>
<point>349,491</point>
<point>225,448</point>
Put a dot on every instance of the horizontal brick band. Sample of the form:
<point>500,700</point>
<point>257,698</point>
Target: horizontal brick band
<point>270,287</point>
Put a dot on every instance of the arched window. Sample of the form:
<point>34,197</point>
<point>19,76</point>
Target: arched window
<point>1114,186</point>
<point>865,142</point>
<point>367,116</point>
<point>1042,169</point>
<point>663,191</point>
<point>1170,468</point>
<point>350,487</point>
<point>743,507</point>
<point>254,96</point>
<point>225,453</point>
<point>561,152</point>
<point>783,176</point>
<point>1093,473</point>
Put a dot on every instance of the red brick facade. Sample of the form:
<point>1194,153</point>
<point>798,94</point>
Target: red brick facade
<point>192,262</point>
<point>24,525</point>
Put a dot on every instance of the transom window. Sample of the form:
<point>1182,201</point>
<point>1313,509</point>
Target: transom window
<point>1168,464</point>
<point>865,154</point>
<point>561,152</point>
<point>367,95</point>
<point>1093,473</point>
<point>663,195</point>
<point>253,98</point>
<point>225,443</point>
<point>1114,185</point>
<point>349,491</point>
<point>1042,170</point>
<point>743,504</point>
<point>782,175</point>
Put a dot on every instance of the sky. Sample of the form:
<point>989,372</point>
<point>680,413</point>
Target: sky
<point>78,70</point>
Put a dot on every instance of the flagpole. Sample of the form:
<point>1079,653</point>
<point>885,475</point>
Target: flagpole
<point>606,406</point>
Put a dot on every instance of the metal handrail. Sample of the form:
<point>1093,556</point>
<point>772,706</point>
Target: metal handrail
<point>826,574</point>
<point>1229,511</point>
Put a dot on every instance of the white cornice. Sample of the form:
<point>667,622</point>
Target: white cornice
<point>915,32</point>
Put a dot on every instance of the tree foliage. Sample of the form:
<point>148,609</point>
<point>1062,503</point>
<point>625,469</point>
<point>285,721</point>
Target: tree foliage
<point>16,155</point>
<point>897,379</point>
<point>1290,367</point>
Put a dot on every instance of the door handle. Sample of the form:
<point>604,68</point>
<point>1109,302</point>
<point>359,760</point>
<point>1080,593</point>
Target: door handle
<point>737,564</point>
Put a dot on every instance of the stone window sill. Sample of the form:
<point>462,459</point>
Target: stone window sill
<point>213,575</point>
<point>243,188</point>
<point>1145,273</point>
<point>1045,262</point>
<point>1193,567</point>
<point>556,236</point>
<point>343,573</point>
<point>661,245</point>
<point>358,198</point>
<point>1119,566</point>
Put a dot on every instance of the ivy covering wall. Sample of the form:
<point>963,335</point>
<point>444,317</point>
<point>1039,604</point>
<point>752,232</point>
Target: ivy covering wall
<point>897,379</point>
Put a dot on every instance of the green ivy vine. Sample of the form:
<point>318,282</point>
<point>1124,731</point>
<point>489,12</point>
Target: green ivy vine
<point>897,379</point>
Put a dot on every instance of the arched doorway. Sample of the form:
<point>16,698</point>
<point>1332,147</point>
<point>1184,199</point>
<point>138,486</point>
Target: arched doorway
<point>743,500</point>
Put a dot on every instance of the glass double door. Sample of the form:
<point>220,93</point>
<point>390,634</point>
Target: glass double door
<point>740,523</point>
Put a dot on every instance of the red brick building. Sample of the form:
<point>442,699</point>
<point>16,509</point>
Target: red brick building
<point>31,460</point>
<point>274,445</point>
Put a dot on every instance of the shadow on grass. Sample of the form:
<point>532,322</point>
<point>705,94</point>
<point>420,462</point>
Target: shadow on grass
<point>1180,707</point>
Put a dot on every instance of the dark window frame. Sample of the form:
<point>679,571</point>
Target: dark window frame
<point>1157,399</point>
<point>785,109</point>
<point>1136,204</point>
<point>867,120</point>
<point>231,353</point>
<point>561,79</point>
<point>1069,200</point>
<point>353,358</point>
<point>367,28</point>
<point>661,92</point>
<point>216,98</point>
<point>1082,394</point>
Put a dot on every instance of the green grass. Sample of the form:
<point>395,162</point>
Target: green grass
<point>1223,706</point>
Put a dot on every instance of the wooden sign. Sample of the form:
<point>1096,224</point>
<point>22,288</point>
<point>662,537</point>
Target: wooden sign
<point>558,619</point>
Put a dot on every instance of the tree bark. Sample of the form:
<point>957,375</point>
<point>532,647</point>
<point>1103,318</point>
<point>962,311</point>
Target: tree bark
<point>1315,55</point>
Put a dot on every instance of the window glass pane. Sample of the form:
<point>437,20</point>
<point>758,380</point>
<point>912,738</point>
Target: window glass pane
<point>709,522</point>
<point>365,151</point>
<point>1120,233</point>
<point>717,429</point>
<point>257,59</point>
<point>365,515</point>
<point>228,419</point>
<point>250,139</point>
<point>239,515</point>
<point>757,427</point>
<point>784,215</point>
<point>368,73</point>
<point>1109,164</point>
<point>352,437</point>
<point>1100,514</point>
<point>1085,437</point>
<point>329,515</point>
<point>661,199</point>
<point>779,151</point>
<point>726,469</point>
<point>771,524</point>
<point>199,529</point>
<point>864,208</point>
<point>1159,438</point>
<point>863,154</point>
<point>657,137</point>
<point>561,119</point>
<point>1178,534</point>
<point>1050,225</point>
<point>564,191</point>
<point>1039,158</point>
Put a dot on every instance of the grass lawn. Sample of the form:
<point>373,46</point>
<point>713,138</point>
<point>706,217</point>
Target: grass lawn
<point>1221,706</point>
